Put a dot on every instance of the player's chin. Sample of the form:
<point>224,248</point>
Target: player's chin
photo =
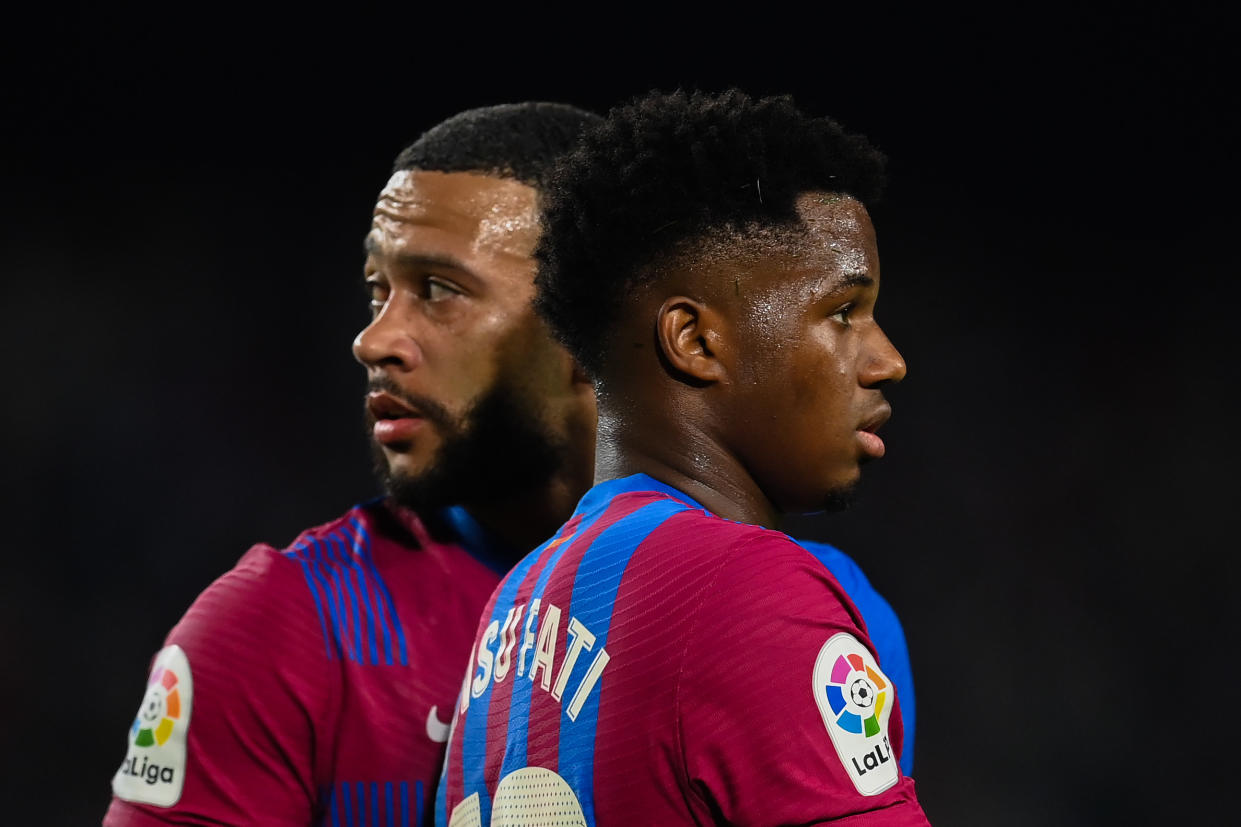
<point>409,460</point>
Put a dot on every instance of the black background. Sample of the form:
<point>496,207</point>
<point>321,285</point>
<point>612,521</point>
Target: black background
<point>184,203</point>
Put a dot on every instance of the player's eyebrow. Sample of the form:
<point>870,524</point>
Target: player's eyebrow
<point>372,248</point>
<point>847,281</point>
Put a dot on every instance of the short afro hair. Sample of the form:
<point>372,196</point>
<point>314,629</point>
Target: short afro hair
<point>512,140</point>
<point>667,170</point>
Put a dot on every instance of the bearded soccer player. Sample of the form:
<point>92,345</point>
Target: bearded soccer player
<point>314,683</point>
<point>667,657</point>
<point>498,454</point>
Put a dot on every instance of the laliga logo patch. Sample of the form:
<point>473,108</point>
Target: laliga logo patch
<point>153,771</point>
<point>855,700</point>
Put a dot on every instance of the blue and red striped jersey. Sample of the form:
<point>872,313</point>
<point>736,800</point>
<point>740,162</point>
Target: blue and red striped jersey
<point>313,684</point>
<point>655,664</point>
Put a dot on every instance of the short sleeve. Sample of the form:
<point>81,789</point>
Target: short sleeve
<point>233,722</point>
<point>785,716</point>
<point>885,632</point>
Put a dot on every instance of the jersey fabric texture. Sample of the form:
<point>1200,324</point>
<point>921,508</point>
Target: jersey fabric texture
<point>324,675</point>
<point>655,664</point>
<point>884,629</point>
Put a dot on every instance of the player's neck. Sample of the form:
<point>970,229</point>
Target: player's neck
<point>526,519</point>
<point>680,454</point>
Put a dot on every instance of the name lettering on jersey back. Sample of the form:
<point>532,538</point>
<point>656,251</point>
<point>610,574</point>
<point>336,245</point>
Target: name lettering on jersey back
<point>541,641</point>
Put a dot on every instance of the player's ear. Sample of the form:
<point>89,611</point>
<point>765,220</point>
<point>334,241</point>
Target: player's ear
<point>692,338</point>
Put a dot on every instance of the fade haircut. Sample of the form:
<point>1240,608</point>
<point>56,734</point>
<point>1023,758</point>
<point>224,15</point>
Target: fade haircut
<point>512,140</point>
<point>664,173</point>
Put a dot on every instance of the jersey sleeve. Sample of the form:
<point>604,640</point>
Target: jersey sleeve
<point>885,632</point>
<point>785,716</point>
<point>232,723</point>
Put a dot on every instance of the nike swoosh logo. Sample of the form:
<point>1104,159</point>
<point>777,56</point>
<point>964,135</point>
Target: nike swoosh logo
<point>437,730</point>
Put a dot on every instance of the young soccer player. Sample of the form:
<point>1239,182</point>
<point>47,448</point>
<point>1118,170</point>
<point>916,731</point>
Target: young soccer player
<point>667,657</point>
<point>319,679</point>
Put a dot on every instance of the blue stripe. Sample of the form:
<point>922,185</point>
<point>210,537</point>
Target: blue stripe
<point>515,749</point>
<point>330,577</point>
<point>388,808</point>
<point>333,806</point>
<point>362,542</point>
<point>347,795</point>
<point>347,550</point>
<point>404,804</point>
<point>594,598</point>
<point>383,587</point>
<point>474,737</point>
<point>314,592</point>
<point>315,562</point>
<point>418,795</point>
<point>343,570</point>
<point>374,818</point>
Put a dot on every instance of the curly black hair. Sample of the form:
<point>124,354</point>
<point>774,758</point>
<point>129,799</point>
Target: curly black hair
<point>665,171</point>
<point>511,140</point>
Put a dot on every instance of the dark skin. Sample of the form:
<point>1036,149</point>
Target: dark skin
<point>750,376</point>
<point>451,277</point>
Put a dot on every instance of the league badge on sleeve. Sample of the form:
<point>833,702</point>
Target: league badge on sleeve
<point>856,699</point>
<point>153,771</point>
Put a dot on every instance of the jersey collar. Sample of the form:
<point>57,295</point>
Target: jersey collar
<point>599,496</point>
<point>478,542</point>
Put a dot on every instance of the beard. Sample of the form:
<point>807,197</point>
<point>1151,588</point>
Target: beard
<point>497,449</point>
<point>838,499</point>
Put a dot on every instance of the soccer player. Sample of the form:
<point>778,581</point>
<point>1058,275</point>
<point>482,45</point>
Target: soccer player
<point>319,678</point>
<point>666,657</point>
<point>315,683</point>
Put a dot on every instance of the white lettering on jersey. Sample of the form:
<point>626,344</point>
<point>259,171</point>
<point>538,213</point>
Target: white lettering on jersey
<point>527,636</point>
<point>508,639</point>
<point>582,639</point>
<point>153,771</point>
<point>535,797</point>
<point>485,659</point>
<point>545,649</point>
<point>856,699</point>
<point>487,667</point>
<point>588,683</point>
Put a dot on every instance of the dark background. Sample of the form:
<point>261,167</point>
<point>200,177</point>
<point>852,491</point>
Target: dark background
<point>183,208</point>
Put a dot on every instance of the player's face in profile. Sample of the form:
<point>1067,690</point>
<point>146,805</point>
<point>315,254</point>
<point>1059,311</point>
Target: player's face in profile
<point>810,384</point>
<point>459,366</point>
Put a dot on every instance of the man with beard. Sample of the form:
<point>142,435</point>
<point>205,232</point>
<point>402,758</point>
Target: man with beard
<point>324,674</point>
<point>667,657</point>
<point>314,683</point>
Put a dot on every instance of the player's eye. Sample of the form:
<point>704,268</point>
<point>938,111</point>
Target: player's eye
<point>377,292</point>
<point>438,289</point>
<point>842,314</point>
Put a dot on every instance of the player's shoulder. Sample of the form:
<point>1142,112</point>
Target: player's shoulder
<point>762,570</point>
<point>275,583</point>
<point>841,565</point>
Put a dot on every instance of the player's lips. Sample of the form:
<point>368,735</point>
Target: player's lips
<point>396,421</point>
<point>872,445</point>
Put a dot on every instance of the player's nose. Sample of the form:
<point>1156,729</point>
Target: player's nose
<point>884,363</point>
<point>388,341</point>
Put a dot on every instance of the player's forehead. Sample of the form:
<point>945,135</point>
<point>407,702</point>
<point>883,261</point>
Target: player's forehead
<point>837,226</point>
<point>831,245</point>
<point>454,213</point>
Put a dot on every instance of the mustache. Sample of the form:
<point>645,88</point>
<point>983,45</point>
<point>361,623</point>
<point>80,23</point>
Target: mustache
<point>428,407</point>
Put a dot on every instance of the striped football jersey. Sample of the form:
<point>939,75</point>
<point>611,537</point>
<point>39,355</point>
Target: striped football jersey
<point>655,664</point>
<point>313,684</point>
